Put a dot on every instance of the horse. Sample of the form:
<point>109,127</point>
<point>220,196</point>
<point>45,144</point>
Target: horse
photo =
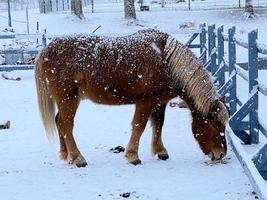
<point>147,68</point>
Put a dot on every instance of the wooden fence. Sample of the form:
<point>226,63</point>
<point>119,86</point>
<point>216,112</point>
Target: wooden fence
<point>245,123</point>
<point>38,37</point>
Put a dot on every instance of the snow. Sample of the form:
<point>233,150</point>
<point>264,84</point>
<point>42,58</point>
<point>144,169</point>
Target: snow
<point>30,167</point>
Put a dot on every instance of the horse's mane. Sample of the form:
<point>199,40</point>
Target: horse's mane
<point>190,75</point>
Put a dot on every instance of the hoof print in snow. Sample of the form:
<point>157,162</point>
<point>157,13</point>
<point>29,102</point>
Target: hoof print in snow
<point>125,195</point>
<point>5,126</point>
<point>117,149</point>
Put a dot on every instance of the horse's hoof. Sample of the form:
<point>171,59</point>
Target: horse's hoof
<point>164,156</point>
<point>81,164</point>
<point>79,161</point>
<point>136,162</point>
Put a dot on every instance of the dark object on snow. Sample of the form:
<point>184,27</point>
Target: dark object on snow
<point>117,149</point>
<point>5,126</point>
<point>9,30</point>
<point>125,195</point>
<point>144,8</point>
<point>4,76</point>
<point>173,104</point>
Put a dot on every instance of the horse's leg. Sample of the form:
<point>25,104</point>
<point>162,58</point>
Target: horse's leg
<point>157,120</point>
<point>141,115</point>
<point>63,153</point>
<point>67,110</point>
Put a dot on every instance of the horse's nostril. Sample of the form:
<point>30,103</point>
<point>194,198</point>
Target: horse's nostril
<point>222,155</point>
<point>211,155</point>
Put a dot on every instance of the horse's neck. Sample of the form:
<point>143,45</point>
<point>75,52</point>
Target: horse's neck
<point>189,75</point>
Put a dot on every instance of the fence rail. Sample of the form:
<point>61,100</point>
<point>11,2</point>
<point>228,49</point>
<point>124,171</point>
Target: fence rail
<point>8,68</point>
<point>245,123</point>
<point>20,51</point>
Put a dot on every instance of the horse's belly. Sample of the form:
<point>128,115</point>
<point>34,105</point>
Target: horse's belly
<point>110,96</point>
<point>122,88</point>
<point>122,95</point>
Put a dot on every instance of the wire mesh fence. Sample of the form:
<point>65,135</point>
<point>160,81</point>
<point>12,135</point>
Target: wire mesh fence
<point>157,5</point>
<point>18,4</point>
<point>117,5</point>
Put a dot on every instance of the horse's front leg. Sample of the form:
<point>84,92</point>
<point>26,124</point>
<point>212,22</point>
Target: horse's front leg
<point>141,115</point>
<point>157,120</point>
<point>65,123</point>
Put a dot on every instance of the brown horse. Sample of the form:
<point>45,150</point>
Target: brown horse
<point>147,69</point>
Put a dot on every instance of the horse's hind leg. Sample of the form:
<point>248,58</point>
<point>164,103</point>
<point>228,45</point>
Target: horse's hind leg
<point>63,152</point>
<point>141,115</point>
<point>157,120</point>
<point>65,123</point>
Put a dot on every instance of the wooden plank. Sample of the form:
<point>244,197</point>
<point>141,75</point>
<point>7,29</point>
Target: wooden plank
<point>9,68</point>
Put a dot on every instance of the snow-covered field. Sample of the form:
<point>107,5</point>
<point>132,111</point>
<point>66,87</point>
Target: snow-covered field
<point>30,168</point>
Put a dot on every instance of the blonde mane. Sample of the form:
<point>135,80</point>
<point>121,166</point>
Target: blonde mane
<point>189,74</point>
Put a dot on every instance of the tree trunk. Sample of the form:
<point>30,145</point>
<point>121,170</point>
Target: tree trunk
<point>249,8</point>
<point>76,8</point>
<point>129,9</point>
<point>162,2</point>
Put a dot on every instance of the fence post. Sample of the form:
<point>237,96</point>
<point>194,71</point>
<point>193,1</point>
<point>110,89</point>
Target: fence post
<point>253,85</point>
<point>9,13</point>
<point>203,40</point>
<point>212,47</point>
<point>44,38</point>
<point>232,71</point>
<point>27,19</point>
<point>37,31</point>
<point>189,4</point>
<point>221,64</point>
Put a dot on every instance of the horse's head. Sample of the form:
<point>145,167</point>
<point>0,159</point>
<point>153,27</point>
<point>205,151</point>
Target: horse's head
<point>209,131</point>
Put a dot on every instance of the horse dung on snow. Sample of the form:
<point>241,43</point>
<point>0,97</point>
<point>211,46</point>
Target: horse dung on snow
<point>147,68</point>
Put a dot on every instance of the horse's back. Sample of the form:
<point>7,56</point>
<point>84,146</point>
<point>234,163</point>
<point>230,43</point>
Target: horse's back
<point>112,68</point>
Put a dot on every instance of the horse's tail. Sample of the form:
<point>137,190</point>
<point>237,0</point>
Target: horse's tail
<point>45,101</point>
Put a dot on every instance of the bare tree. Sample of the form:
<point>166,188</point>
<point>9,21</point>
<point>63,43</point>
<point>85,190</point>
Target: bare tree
<point>76,8</point>
<point>129,9</point>
<point>249,9</point>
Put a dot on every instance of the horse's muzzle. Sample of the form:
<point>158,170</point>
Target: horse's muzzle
<point>216,155</point>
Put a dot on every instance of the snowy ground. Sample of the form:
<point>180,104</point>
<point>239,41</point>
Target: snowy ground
<point>30,168</point>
